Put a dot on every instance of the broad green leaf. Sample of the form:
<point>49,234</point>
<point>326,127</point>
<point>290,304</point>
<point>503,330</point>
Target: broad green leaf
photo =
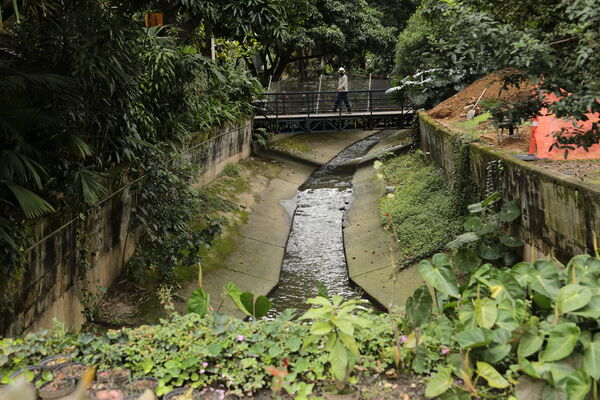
<point>528,388</point>
<point>247,300</point>
<point>317,313</point>
<point>339,361</point>
<point>467,260</point>
<point>578,385</point>
<point>572,297</point>
<point>510,314</point>
<point>523,272</point>
<point>441,260</point>
<point>530,343</point>
<point>439,383</point>
<point>475,337</point>
<point>485,312</point>
<point>350,344</point>
<point>510,258</point>
<point>489,251</point>
<point>441,278</point>
<point>496,353</point>
<point>535,369</point>
<point>505,286</point>
<point>199,302</point>
<point>511,241</point>
<point>234,294</point>
<point>343,325</point>
<point>461,240</point>
<point>542,301</point>
<point>147,365</point>
<point>560,371</point>
<point>320,328</point>
<point>584,269</point>
<point>318,301</point>
<point>466,316</point>
<point>591,357</point>
<point>214,349</point>
<point>493,377</point>
<point>591,310</point>
<point>419,306</point>
<point>262,306</point>
<point>561,342</point>
<point>501,336</point>
<point>553,393</point>
<point>488,227</point>
<point>472,224</point>
<point>491,198</point>
<point>509,212</point>
<point>545,280</point>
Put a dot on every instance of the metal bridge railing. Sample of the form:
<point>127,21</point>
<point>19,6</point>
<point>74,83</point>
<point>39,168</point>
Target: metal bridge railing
<point>280,104</point>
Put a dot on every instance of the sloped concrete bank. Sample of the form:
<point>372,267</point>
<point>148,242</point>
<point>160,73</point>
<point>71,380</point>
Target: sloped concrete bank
<point>559,214</point>
<point>258,244</point>
<point>370,249</point>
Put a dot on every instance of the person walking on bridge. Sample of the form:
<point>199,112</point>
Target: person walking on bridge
<point>342,91</point>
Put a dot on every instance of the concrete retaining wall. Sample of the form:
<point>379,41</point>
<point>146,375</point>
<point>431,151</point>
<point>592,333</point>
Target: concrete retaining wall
<point>559,213</point>
<point>51,287</point>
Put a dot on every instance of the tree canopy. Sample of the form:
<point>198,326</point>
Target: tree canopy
<point>554,44</point>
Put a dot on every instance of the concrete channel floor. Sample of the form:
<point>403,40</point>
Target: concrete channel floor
<point>371,251</point>
<point>255,263</point>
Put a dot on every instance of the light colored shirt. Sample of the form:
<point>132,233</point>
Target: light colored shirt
<point>343,83</point>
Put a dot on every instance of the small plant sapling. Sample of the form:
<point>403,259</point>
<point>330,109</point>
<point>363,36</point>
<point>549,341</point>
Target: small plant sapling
<point>335,321</point>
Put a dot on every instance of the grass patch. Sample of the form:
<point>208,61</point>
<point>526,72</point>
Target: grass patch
<point>421,210</point>
<point>293,144</point>
<point>231,169</point>
<point>472,126</point>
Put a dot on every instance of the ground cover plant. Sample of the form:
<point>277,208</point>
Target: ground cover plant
<point>213,351</point>
<point>420,211</point>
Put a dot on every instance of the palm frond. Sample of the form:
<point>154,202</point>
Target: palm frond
<point>90,185</point>
<point>20,168</point>
<point>31,204</point>
<point>5,230</point>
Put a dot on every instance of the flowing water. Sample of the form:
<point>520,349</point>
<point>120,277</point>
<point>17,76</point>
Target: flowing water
<point>315,249</point>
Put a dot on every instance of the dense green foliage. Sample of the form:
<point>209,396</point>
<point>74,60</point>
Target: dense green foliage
<point>211,351</point>
<point>420,211</point>
<point>529,330</point>
<point>92,101</point>
<point>553,43</point>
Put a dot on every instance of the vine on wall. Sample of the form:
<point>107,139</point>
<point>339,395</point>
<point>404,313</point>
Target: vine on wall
<point>464,189</point>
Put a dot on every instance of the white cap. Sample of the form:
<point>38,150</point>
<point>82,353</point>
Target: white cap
<point>341,69</point>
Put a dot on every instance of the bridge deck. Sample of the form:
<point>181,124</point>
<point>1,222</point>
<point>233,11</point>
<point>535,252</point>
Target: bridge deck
<point>334,114</point>
<point>309,112</point>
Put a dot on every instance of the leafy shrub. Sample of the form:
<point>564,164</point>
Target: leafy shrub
<point>207,351</point>
<point>530,330</point>
<point>485,238</point>
<point>231,169</point>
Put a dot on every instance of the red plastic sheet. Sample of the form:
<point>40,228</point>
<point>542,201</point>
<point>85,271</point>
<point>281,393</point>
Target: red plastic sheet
<point>542,135</point>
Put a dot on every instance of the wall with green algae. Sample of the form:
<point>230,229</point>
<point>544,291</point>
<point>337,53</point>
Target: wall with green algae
<point>559,213</point>
<point>49,286</point>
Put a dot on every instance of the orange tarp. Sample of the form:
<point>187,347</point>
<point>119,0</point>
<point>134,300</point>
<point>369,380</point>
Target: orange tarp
<point>542,135</point>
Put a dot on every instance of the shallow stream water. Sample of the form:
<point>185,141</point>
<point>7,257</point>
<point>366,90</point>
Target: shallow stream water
<point>315,249</point>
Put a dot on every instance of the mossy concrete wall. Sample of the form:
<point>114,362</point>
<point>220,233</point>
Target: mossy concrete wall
<point>559,213</point>
<point>228,145</point>
<point>50,286</point>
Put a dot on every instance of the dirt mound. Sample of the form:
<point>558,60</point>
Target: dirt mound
<point>458,105</point>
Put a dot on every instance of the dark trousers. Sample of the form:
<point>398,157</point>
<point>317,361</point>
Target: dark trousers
<point>342,96</point>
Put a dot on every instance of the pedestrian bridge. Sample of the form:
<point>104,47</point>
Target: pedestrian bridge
<point>305,112</point>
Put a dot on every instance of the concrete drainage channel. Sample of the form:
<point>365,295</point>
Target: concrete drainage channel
<point>315,252</point>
